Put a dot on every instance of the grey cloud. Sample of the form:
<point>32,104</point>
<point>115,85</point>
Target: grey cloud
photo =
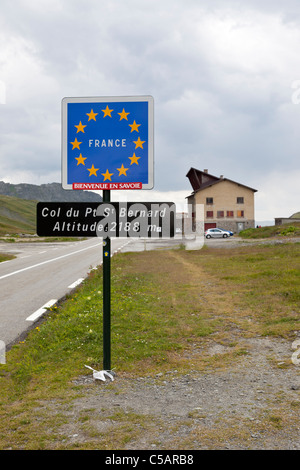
<point>220,76</point>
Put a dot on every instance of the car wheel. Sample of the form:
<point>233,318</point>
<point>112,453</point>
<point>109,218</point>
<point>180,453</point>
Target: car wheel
<point>208,236</point>
<point>225,235</point>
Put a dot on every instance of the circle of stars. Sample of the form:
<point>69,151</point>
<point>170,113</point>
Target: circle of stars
<point>107,112</point>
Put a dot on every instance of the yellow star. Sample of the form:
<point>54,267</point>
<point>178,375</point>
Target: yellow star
<point>123,115</point>
<point>93,170</point>
<point>139,143</point>
<point>134,159</point>
<point>80,159</point>
<point>75,144</point>
<point>107,112</point>
<point>134,126</point>
<point>122,170</point>
<point>92,115</point>
<point>80,128</point>
<point>107,175</point>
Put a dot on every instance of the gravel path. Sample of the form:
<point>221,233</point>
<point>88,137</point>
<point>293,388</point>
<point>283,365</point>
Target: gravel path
<point>253,404</point>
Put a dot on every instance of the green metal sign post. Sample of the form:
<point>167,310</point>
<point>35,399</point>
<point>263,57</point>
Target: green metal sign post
<point>107,144</point>
<point>106,296</point>
<point>107,220</point>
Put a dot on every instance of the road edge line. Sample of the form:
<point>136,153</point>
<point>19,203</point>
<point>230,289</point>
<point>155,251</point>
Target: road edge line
<point>38,313</point>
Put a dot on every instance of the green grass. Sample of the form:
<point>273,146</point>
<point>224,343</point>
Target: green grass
<point>6,257</point>
<point>17,216</point>
<point>61,239</point>
<point>145,326</point>
<point>165,306</point>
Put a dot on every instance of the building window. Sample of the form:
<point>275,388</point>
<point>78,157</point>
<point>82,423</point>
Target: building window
<point>209,200</point>
<point>220,214</point>
<point>229,214</point>
<point>240,213</point>
<point>240,200</point>
<point>209,214</point>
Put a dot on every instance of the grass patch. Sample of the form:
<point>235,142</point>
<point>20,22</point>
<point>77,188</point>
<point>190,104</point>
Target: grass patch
<point>264,285</point>
<point>292,230</point>
<point>6,257</point>
<point>61,239</point>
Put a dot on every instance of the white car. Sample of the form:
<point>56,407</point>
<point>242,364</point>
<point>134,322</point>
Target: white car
<point>216,233</point>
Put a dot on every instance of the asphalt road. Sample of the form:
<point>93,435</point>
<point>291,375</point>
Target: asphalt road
<point>42,274</point>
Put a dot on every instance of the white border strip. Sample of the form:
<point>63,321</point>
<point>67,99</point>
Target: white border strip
<point>34,316</point>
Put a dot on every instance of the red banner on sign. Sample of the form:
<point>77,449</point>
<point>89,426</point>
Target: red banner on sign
<point>101,186</point>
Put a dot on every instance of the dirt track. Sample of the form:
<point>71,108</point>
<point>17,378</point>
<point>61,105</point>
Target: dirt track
<point>252,403</point>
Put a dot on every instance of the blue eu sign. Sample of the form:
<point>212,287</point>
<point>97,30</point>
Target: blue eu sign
<point>107,143</point>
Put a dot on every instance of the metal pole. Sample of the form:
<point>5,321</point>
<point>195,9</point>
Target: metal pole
<point>106,297</point>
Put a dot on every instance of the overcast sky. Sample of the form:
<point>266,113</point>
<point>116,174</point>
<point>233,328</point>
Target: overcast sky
<point>224,75</point>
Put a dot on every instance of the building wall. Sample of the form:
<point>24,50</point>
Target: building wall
<point>285,220</point>
<point>236,215</point>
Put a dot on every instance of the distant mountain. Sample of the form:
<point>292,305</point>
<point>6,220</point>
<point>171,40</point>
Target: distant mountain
<point>51,192</point>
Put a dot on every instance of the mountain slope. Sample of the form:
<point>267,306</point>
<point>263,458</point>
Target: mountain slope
<point>17,216</point>
<point>18,204</point>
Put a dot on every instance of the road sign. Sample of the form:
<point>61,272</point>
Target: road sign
<point>107,143</point>
<point>106,219</point>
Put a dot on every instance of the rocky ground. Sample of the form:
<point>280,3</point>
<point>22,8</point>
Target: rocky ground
<point>252,404</point>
